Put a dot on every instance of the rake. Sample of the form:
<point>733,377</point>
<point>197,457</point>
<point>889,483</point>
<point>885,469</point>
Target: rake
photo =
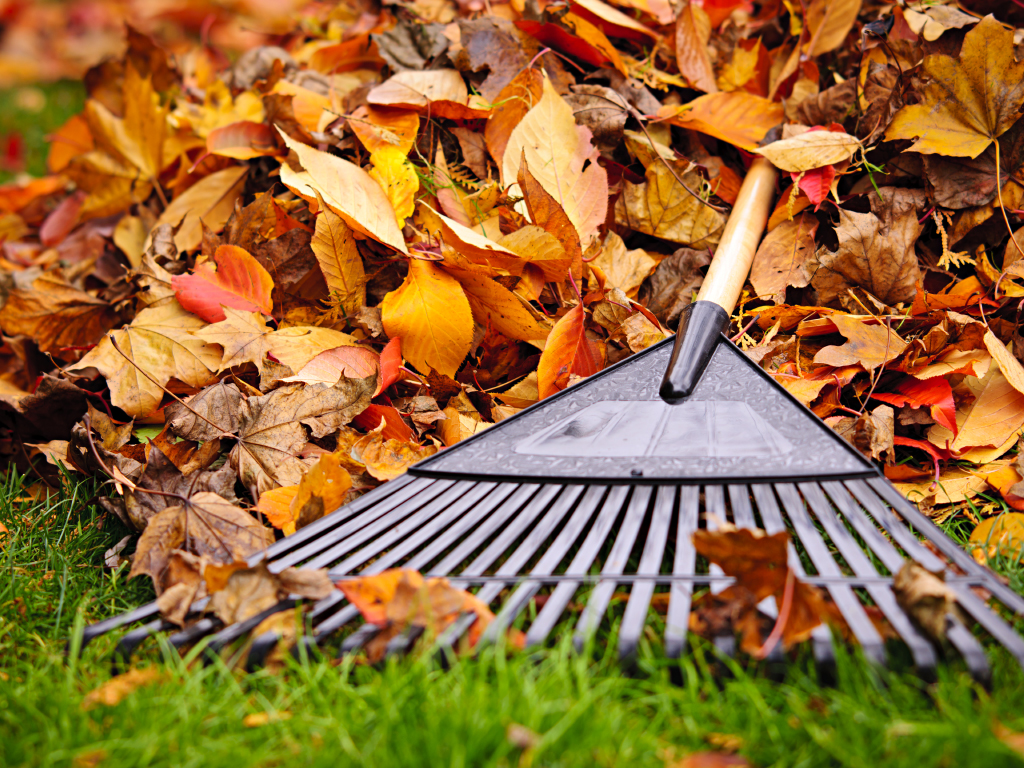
<point>600,488</point>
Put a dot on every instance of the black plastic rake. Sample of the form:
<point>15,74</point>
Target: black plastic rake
<point>558,499</point>
<point>602,487</point>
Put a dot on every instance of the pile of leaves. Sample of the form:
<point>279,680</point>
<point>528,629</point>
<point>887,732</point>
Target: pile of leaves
<point>254,286</point>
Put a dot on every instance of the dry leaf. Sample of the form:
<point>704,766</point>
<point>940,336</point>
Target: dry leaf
<point>338,257</point>
<point>235,279</point>
<point>114,690</point>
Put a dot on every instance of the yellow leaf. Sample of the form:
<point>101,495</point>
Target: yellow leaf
<point>210,201</point>
<point>625,270</point>
<point>258,719</point>
<point>555,155</point>
<point>159,343</point>
<point>1008,364</point>
<point>347,190</point>
<point>830,21</point>
<point>297,345</point>
<point>321,490</point>
<point>397,178</point>
<point>510,314</point>
<point>431,315</point>
<point>1003,535</point>
<point>810,150</point>
<point>335,249</point>
<point>992,418</point>
<point>970,101</point>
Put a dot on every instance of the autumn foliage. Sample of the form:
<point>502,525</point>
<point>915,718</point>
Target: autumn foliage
<point>266,274</point>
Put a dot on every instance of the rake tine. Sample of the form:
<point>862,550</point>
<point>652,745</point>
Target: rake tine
<point>193,634</point>
<point>920,648</point>
<point>714,502</point>
<point>613,566</point>
<point>554,554</point>
<point>581,563</point>
<point>122,655</point>
<point>100,628</point>
<point>844,597</point>
<point>677,623</point>
<point>322,552</point>
<point>969,647</point>
<point>394,492</point>
<point>988,619</point>
<point>538,534</point>
<point>771,516</point>
<point>328,607</point>
<point>946,545</point>
<point>635,617</point>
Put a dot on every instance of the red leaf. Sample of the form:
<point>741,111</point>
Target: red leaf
<point>568,351</point>
<point>237,281</point>
<point>62,220</point>
<point>390,365</point>
<point>243,140</point>
<point>816,183</point>
<point>934,393</point>
<point>555,37</point>
<point>394,427</point>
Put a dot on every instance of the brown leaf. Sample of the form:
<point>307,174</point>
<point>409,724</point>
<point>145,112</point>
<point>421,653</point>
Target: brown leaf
<point>674,284</point>
<point>207,526</point>
<point>870,433</point>
<point>785,258</point>
<point>208,202</point>
<point>925,598</point>
<point>248,591</point>
<point>56,315</point>
<point>875,254</point>
<point>206,415</point>
<point>868,345</point>
<point>271,433</point>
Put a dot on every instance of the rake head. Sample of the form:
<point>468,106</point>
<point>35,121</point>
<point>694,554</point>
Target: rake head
<point>599,490</point>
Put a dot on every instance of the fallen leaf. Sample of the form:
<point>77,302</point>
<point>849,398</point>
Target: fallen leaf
<point>693,31</point>
<point>1002,535</point>
<point>875,254</point>
<point>556,151</point>
<point>56,314</point>
<point>235,279</point>
<point>924,596</point>
<point>995,416</point>
<point>970,101</point>
<point>205,525</point>
<point>271,428</point>
<point>431,315</point>
<point>388,458</point>
<point>156,347</point>
<point>338,257</point>
<point>867,345</point>
<point>810,150</point>
<point>332,366</point>
<point>785,258</point>
<point>208,202</point>
<point>347,190</point>
<point>568,352</point>
<point>113,691</point>
<point>934,393</point>
<point>380,127</point>
<point>249,591</point>
<point>397,178</point>
<point>322,490</point>
<point>259,719</point>
<point>738,118</point>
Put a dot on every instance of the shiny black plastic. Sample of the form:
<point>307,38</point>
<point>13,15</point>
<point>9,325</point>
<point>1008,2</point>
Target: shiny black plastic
<point>700,329</point>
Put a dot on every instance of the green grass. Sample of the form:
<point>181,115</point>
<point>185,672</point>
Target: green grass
<point>34,112</point>
<point>410,713</point>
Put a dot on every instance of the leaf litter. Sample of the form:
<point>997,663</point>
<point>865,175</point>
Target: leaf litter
<point>247,293</point>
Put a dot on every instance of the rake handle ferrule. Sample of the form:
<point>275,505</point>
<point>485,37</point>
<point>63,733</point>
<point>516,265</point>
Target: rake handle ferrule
<point>700,328</point>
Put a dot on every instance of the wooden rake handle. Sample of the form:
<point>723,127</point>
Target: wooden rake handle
<point>701,326</point>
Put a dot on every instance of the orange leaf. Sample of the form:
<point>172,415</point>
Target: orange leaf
<point>568,352</point>
<point>693,32</point>
<point>738,117</point>
<point>934,393</point>
<point>237,281</point>
<point>243,140</point>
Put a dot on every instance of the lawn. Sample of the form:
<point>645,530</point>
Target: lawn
<point>563,709</point>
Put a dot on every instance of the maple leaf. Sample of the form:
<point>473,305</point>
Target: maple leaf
<point>156,347</point>
<point>970,101</point>
<point>785,258</point>
<point>237,281</point>
<point>271,428</point>
<point>56,314</point>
